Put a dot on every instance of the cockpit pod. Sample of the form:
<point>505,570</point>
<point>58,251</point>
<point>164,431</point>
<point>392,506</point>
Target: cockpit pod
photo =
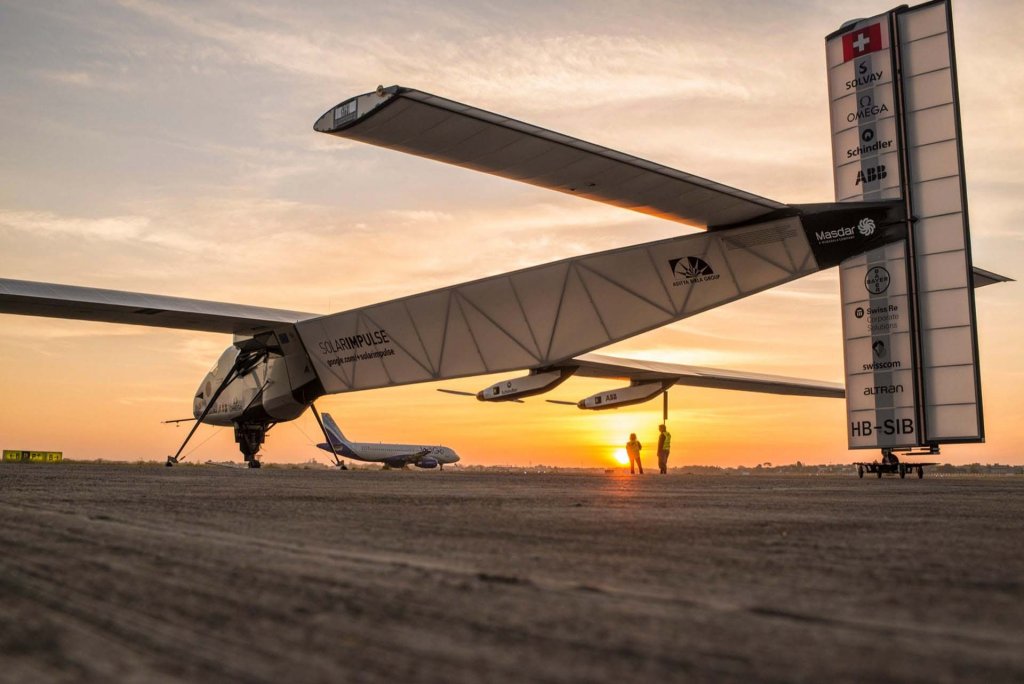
<point>262,378</point>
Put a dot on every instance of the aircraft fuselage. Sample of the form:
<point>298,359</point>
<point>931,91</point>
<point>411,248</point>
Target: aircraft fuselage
<point>262,393</point>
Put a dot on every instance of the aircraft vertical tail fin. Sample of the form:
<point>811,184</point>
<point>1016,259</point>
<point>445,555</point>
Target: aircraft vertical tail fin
<point>334,431</point>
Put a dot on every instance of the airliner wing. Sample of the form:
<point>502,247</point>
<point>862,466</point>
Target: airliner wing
<point>602,366</point>
<point>401,460</point>
<point>430,126</point>
<point>113,306</point>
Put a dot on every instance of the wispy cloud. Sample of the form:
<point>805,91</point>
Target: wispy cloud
<point>84,79</point>
<point>45,223</point>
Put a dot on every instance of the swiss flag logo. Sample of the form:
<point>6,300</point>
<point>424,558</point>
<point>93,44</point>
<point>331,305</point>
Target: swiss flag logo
<point>862,41</point>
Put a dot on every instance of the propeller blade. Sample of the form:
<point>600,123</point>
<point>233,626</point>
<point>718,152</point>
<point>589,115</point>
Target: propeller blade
<point>559,401</point>
<point>464,394</point>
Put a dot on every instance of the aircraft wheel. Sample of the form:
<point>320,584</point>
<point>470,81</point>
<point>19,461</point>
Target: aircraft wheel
<point>860,472</point>
<point>903,471</point>
<point>254,463</point>
<point>879,473</point>
<point>920,473</point>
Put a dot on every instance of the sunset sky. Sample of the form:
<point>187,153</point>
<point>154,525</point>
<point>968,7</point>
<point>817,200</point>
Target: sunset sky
<point>167,147</point>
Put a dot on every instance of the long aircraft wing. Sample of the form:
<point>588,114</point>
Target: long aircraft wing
<point>29,298</point>
<point>602,366</point>
<point>430,126</point>
<point>114,306</point>
<point>454,332</point>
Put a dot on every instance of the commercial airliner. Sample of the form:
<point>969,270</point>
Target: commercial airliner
<point>391,455</point>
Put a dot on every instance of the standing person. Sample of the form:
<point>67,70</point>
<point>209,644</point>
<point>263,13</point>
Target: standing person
<point>664,446</point>
<point>633,448</point>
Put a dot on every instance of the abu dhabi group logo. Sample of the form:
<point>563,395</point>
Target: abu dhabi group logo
<point>690,270</point>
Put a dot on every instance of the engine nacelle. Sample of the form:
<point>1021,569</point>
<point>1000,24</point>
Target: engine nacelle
<point>637,393</point>
<point>537,382</point>
<point>427,462</point>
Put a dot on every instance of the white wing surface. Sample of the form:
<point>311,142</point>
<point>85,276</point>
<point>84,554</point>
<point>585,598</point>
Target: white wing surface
<point>430,126</point>
<point>545,315</point>
<point>602,366</point>
<point>114,306</point>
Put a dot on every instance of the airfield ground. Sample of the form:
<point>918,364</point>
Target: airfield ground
<point>140,573</point>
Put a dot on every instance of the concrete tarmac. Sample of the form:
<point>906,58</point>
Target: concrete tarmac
<point>141,573</point>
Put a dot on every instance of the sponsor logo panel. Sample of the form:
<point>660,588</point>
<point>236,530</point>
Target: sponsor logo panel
<point>690,270</point>
<point>883,353</point>
<point>868,175</point>
<point>862,145</point>
<point>864,40</point>
<point>895,429</point>
<point>882,318</point>
<point>835,236</point>
<point>858,109</point>
<point>877,280</point>
<point>341,350</point>
<point>870,143</point>
<point>881,390</point>
<point>871,71</point>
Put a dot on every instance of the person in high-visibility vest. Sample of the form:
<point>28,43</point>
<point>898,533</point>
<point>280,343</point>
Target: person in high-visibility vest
<point>633,451</point>
<point>664,446</point>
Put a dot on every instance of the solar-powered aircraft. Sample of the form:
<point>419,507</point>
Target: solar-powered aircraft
<point>544,320</point>
<point>548,319</point>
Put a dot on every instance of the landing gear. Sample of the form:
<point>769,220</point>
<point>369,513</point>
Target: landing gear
<point>250,437</point>
<point>244,362</point>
